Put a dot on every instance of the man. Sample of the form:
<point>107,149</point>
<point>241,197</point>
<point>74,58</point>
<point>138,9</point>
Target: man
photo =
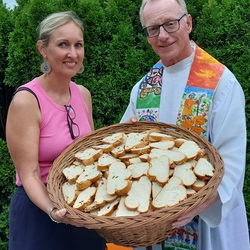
<point>189,88</point>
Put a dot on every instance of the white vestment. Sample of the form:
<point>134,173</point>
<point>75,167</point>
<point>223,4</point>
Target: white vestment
<point>223,226</point>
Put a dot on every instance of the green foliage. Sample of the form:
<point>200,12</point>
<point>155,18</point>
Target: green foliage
<point>117,55</point>
<point>7,186</point>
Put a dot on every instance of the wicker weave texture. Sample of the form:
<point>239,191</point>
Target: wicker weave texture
<point>144,229</point>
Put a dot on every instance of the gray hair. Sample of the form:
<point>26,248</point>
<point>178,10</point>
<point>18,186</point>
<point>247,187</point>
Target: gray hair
<point>182,3</point>
<point>55,20</point>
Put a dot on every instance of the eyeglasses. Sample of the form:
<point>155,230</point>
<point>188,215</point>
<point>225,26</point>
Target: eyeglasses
<point>73,127</point>
<point>169,26</point>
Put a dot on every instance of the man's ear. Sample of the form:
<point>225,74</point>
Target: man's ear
<point>41,48</point>
<point>189,23</point>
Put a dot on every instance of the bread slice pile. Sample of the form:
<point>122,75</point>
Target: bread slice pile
<point>131,173</point>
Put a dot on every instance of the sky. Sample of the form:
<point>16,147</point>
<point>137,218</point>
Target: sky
<point>10,3</point>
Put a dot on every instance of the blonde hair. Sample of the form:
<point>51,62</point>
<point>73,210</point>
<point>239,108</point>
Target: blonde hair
<point>55,20</point>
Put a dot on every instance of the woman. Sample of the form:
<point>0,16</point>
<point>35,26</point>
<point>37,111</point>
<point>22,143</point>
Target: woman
<point>45,116</point>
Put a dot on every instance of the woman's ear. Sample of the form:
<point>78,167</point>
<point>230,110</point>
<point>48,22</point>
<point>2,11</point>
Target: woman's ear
<point>41,48</point>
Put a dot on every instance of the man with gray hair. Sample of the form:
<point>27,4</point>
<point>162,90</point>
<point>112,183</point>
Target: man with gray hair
<point>185,70</point>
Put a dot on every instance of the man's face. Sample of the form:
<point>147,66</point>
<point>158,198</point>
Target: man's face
<point>171,47</point>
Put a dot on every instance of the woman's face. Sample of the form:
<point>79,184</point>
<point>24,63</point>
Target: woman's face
<point>65,50</point>
<point>171,47</point>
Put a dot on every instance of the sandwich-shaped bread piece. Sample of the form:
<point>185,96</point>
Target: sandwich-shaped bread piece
<point>204,169</point>
<point>122,210</point>
<point>190,149</point>
<point>101,196</point>
<point>88,156</point>
<point>70,193</point>
<point>185,173</point>
<point>72,172</point>
<point>105,161</point>
<point>108,208</point>
<point>84,198</point>
<point>90,175</point>
<point>167,144</point>
<point>119,179</point>
<point>114,139</point>
<point>174,156</point>
<point>138,197</point>
<point>139,169</point>
<point>159,169</point>
<point>135,140</point>
<point>106,148</point>
<point>159,136</point>
<point>171,194</point>
<point>198,185</point>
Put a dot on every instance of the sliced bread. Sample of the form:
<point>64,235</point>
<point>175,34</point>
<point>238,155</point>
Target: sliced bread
<point>204,168</point>
<point>105,161</point>
<point>119,179</point>
<point>171,194</point>
<point>159,169</point>
<point>139,169</point>
<point>90,174</point>
<point>72,172</point>
<point>70,193</point>
<point>84,198</point>
<point>122,210</point>
<point>185,173</point>
<point>101,196</point>
<point>88,156</point>
<point>114,139</point>
<point>138,197</point>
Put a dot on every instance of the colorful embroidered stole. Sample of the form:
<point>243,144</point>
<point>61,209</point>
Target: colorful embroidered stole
<point>193,112</point>
<point>204,76</point>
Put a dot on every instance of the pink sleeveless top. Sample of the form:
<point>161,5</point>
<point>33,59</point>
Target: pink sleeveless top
<point>54,131</point>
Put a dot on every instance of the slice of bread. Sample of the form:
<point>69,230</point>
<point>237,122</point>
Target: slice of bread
<point>105,161</point>
<point>88,156</point>
<point>114,139</point>
<point>135,140</point>
<point>141,149</point>
<point>70,193</point>
<point>134,160</point>
<point>106,148</point>
<point>162,144</point>
<point>138,169</point>
<point>119,150</point>
<point>179,141</point>
<point>138,197</point>
<point>204,168</point>
<point>144,157</point>
<point>72,172</point>
<point>119,179</point>
<point>171,194</point>
<point>198,185</point>
<point>156,188</point>
<point>190,192</point>
<point>122,210</point>
<point>101,196</point>
<point>90,174</point>
<point>159,136</point>
<point>185,173</point>
<point>174,156</point>
<point>128,156</point>
<point>190,149</point>
<point>159,169</point>
<point>108,208</point>
<point>84,198</point>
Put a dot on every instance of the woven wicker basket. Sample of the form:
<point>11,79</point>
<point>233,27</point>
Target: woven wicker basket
<point>144,229</point>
